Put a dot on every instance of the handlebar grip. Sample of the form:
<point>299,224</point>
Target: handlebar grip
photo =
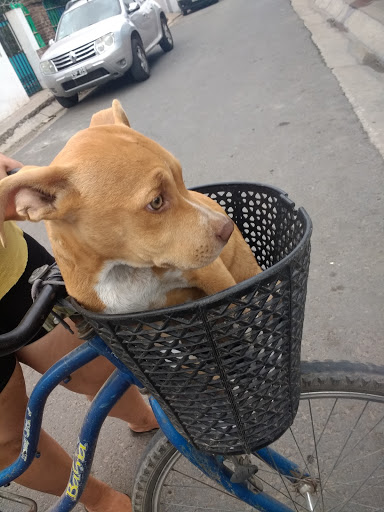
<point>13,171</point>
<point>32,321</point>
<point>50,287</point>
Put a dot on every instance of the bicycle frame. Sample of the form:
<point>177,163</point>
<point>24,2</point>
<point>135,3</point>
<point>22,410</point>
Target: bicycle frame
<point>120,380</point>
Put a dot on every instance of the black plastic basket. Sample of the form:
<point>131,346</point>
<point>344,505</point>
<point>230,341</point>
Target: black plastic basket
<point>226,368</point>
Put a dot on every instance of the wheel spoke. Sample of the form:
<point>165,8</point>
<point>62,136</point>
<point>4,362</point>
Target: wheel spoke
<point>288,496</point>
<point>360,440</point>
<point>366,506</point>
<point>337,428</point>
<point>198,508</point>
<point>351,482</point>
<point>283,481</point>
<point>346,442</point>
<point>368,455</point>
<point>358,489</point>
<point>301,453</point>
<point>220,489</point>
<point>326,423</point>
<point>317,455</point>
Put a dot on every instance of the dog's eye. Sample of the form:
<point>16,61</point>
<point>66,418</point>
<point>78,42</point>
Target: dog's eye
<point>157,203</point>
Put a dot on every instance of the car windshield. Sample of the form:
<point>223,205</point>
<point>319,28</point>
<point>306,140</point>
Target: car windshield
<point>85,15</point>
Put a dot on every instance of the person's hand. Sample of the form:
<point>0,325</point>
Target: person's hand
<point>7,164</point>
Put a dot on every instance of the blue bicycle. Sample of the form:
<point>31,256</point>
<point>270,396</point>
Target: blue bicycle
<point>244,424</point>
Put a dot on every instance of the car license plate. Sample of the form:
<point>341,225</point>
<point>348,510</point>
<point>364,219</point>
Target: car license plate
<point>79,72</point>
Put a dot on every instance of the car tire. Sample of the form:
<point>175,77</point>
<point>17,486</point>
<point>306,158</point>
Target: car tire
<point>184,11</point>
<point>140,67</point>
<point>166,43</point>
<point>69,102</point>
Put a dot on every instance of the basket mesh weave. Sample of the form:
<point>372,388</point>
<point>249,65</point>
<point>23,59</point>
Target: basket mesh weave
<point>226,368</point>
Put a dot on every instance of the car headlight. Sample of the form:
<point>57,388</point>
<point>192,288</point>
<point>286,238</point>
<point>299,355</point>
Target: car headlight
<point>104,42</point>
<point>47,67</point>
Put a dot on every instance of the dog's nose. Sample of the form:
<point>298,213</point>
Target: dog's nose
<point>225,231</point>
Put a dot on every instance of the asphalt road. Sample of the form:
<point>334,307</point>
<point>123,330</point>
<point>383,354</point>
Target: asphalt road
<point>245,96</point>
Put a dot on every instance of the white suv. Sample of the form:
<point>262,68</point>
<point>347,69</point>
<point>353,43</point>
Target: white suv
<point>100,40</point>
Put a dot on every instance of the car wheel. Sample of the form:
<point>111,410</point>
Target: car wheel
<point>140,67</point>
<point>166,42</point>
<point>69,102</point>
<point>184,12</point>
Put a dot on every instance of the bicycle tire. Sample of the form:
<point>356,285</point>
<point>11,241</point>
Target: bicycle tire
<point>350,380</point>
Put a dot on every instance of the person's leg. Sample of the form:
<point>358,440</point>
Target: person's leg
<point>49,348</point>
<point>50,472</point>
<point>42,354</point>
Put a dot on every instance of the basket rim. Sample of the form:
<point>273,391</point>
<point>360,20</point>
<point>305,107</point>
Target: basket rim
<point>154,314</point>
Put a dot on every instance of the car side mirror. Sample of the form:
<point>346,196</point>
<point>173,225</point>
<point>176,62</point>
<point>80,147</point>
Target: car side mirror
<point>50,42</point>
<point>133,7</point>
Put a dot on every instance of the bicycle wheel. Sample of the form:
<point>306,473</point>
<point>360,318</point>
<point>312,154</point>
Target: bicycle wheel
<point>337,437</point>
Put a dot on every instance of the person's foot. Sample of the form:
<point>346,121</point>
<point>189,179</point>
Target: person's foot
<point>112,501</point>
<point>149,423</point>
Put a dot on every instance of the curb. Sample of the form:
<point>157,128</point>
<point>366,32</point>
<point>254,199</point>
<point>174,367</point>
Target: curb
<point>175,17</point>
<point>11,129</point>
<point>369,31</point>
<point>353,56</point>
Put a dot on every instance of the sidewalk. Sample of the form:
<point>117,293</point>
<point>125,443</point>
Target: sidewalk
<point>41,109</point>
<point>350,37</point>
<point>363,19</point>
<point>22,125</point>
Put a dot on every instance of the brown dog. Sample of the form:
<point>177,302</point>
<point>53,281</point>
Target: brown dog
<point>126,233</point>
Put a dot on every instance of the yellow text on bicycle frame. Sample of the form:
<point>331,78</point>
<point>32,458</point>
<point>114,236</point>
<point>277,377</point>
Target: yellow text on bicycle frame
<point>77,472</point>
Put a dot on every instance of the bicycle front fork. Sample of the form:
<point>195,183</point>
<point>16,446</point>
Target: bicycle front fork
<point>213,467</point>
<point>118,383</point>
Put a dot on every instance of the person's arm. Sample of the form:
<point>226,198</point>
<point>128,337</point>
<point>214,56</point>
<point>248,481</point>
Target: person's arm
<point>7,164</point>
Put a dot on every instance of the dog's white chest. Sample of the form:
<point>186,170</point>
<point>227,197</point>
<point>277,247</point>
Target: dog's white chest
<point>124,289</point>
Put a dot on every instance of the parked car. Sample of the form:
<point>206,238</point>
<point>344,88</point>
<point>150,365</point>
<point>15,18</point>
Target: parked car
<point>185,5</point>
<point>100,40</point>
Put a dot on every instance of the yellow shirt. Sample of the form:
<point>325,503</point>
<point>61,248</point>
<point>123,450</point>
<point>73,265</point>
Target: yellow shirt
<point>13,259</point>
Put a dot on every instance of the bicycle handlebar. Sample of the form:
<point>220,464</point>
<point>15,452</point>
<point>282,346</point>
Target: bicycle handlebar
<point>32,321</point>
<point>13,171</point>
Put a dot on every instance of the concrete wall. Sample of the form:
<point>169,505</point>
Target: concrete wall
<point>12,94</point>
<point>40,19</point>
<point>169,5</point>
<point>26,39</point>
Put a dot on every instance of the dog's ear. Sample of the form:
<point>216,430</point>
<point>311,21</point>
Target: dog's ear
<point>34,193</point>
<point>113,115</point>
